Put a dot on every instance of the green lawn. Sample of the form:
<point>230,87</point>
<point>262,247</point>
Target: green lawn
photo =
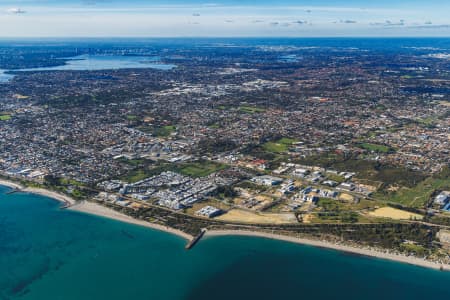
<point>376,147</point>
<point>165,130</point>
<point>201,168</point>
<point>194,169</point>
<point>5,117</point>
<point>66,181</point>
<point>136,175</point>
<point>282,145</point>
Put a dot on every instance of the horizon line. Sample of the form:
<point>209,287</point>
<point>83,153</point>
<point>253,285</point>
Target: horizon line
<point>224,37</point>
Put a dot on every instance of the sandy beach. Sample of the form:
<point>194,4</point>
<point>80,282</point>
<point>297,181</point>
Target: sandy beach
<point>51,194</point>
<point>324,244</point>
<point>57,196</point>
<point>93,208</point>
<point>99,210</point>
<point>10,184</point>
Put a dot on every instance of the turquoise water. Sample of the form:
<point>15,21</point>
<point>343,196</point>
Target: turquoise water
<point>99,62</point>
<point>47,253</point>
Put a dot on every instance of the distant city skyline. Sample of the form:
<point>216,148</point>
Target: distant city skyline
<point>223,18</point>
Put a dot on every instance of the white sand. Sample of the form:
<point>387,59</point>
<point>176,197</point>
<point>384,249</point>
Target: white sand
<point>94,209</point>
<point>57,196</point>
<point>99,210</point>
<point>10,184</point>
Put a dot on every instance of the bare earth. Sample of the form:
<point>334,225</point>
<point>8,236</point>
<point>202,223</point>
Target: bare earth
<point>238,215</point>
<point>396,214</point>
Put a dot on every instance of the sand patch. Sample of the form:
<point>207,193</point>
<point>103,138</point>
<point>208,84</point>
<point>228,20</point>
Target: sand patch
<point>346,197</point>
<point>396,214</point>
<point>238,215</point>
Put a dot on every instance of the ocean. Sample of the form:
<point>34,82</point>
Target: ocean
<point>48,253</point>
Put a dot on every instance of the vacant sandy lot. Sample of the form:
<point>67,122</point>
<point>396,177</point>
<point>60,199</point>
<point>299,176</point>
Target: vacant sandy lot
<point>346,197</point>
<point>393,213</point>
<point>238,215</point>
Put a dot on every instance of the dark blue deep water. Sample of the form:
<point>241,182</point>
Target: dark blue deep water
<point>47,253</point>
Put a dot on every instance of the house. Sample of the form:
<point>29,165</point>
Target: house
<point>347,186</point>
<point>442,199</point>
<point>209,211</point>
<point>267,180</point>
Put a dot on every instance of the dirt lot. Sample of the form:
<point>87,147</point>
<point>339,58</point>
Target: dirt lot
<point>238,215</point>
<point>393,213</point>
<point>346,197</point>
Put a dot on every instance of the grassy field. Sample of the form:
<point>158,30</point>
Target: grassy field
<point>365,169</point>
<point>145,169</point>
<point>251,109</point>
<point>5,117</point>
<point>136,175</point>
<point>376,147</point>
<point>416,196</point>
<point>282,145</point>
<point>201,168</point>
<point>162,131</point>
<point>165,130</point>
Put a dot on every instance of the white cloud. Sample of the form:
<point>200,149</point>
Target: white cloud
<point>15,10</point>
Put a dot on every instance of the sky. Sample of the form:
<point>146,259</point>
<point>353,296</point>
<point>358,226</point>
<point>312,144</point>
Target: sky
<point>224,18</point>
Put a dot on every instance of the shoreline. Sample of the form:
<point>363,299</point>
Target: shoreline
<point>328,245</point>
<point>10,184</point>
<point>93,208</point>
<point>102,211</point>
<point>68,201</point>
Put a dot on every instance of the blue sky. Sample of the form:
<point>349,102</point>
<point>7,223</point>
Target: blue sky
<point>156,18</point>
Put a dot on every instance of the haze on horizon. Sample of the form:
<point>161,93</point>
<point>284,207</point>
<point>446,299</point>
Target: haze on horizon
<point>223,18</point>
